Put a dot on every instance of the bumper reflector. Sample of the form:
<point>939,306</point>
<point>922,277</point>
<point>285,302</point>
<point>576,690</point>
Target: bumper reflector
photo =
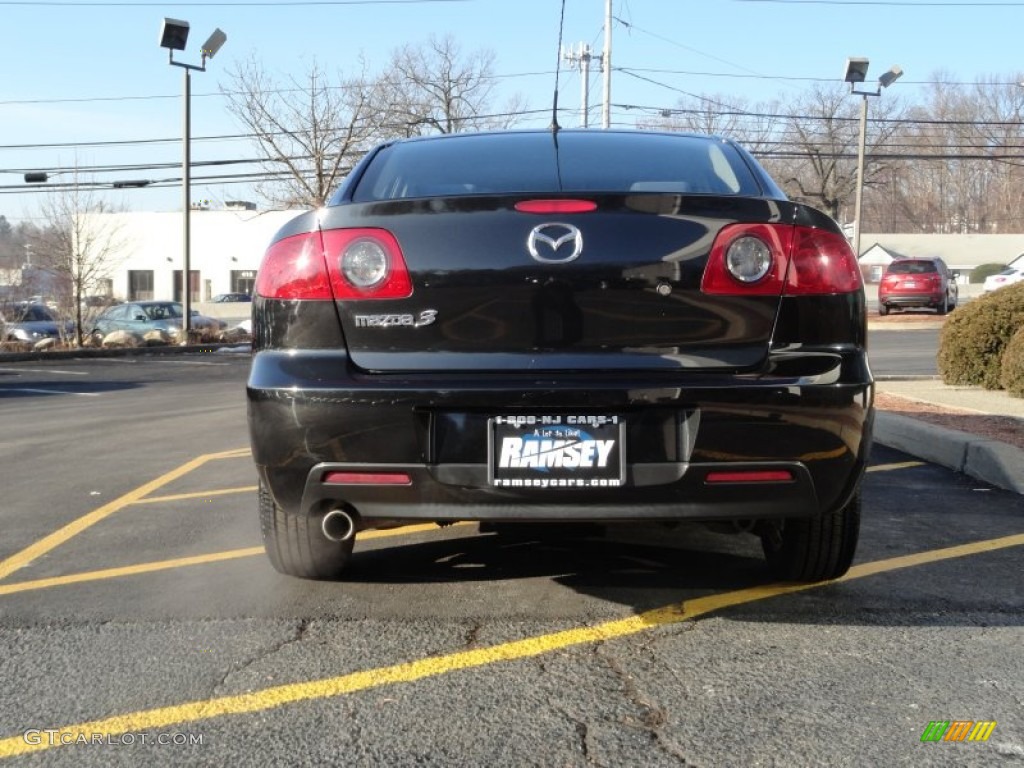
<point>750,476</point>
<point>367,478</point>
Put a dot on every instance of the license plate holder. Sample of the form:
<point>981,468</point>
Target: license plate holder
<point>564,451</point>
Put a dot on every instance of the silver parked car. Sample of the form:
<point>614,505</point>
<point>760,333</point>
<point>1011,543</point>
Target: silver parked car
<point>31,323</point>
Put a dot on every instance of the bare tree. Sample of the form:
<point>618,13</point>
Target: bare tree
<point>816,161</point>
<point>434,88</point>
<point>79,248</point>
<point>753,125</point>
<point>966,175</point>
<point>309,131</point>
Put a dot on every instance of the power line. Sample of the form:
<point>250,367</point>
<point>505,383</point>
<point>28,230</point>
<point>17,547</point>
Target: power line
<point>892,3</point>
<point>222,4</point>
<point>229,93</point>
<point>685,47</point>
<point>700,73</point>
<point>231,136</point>
<point>678,90</point>
<point>735,112</point>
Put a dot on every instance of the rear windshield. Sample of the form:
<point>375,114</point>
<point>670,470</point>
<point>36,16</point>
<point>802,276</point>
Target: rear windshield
<point>911,267</point>
<point>487,164</point>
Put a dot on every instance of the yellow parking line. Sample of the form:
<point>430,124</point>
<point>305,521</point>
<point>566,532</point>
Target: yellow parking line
<point>201,495</point>
<point>899,465</point>
<point>58,537</point>
<point>128,570</point>
<point>278,696</point>
<point>180,562</point>
<point>141,496</point>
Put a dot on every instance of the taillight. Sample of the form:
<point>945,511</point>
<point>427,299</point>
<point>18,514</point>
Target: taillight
<point>821,262</point>
<point>748,259</point>
<point>294,268</point>
<point>341,264</point>
<point>776,259</point>
<point>366,264</point>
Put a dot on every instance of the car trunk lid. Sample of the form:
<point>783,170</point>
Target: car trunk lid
<point>616,287</point>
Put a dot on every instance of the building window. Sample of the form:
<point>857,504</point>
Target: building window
<point>193,285</point>
<point>140,284</point>
<point>243,280</point>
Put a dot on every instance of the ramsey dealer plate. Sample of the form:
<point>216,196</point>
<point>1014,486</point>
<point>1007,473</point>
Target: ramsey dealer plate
<point>557,451</point>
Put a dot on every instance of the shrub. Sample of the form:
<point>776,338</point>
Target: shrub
<point>974,337</point>
<point>978,274</point>
<point>1012,376</point>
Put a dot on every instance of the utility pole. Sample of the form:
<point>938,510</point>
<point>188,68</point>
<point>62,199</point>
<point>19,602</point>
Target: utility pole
<point>581,57</point>
<point>606,63</point>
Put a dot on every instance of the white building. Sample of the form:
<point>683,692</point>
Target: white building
<point>226,249</point>
<point>228,245</point>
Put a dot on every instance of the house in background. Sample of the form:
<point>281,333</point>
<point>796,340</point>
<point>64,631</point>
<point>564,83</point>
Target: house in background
<point>962,253</point>
<point>874,261</point>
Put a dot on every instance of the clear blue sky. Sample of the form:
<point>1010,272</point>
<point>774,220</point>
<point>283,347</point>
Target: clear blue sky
<point>76,71</point>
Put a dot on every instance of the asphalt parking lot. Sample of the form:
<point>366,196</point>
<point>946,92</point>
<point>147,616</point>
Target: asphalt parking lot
<point>142,622</point>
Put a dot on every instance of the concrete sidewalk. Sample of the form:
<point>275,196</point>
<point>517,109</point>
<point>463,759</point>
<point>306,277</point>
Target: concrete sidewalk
<point>991,461</point>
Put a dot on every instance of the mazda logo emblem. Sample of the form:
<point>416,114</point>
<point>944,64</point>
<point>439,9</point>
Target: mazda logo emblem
<point>555,243</point>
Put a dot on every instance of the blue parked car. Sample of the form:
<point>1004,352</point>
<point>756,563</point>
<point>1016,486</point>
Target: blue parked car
<point>142,316</point>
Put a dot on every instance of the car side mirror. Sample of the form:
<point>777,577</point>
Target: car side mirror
<point>141,318</point>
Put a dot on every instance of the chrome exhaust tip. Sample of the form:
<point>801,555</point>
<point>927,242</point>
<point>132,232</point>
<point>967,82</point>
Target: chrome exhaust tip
<point>338,525</point>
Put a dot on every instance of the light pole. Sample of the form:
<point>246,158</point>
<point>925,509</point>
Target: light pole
<point>856,72</point>
<point>173,36</point>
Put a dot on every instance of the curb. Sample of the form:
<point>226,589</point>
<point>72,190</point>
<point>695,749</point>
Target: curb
<point>990,461</point>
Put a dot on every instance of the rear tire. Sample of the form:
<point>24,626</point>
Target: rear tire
<point>813,549</point>
<point>943,308</point>
<point>883,310</point>
<point>296,545</point>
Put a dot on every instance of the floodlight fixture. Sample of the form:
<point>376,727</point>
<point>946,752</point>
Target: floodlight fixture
<point>890,77</point>
<point>213,44</point>
<point>174,34</point>
<point>856,70</point>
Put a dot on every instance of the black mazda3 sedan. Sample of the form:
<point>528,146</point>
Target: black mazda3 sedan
<point>553,326</point>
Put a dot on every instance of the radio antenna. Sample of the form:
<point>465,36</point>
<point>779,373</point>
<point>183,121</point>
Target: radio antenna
<point>555,127</point>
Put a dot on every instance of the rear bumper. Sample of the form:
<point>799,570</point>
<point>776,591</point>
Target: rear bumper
<point>310,414</point>
<point>911,299</point>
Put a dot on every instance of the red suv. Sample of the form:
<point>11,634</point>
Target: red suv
<point>917,283</point>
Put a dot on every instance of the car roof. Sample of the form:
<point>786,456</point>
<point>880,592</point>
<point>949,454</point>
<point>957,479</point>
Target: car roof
<point>608,135</point>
